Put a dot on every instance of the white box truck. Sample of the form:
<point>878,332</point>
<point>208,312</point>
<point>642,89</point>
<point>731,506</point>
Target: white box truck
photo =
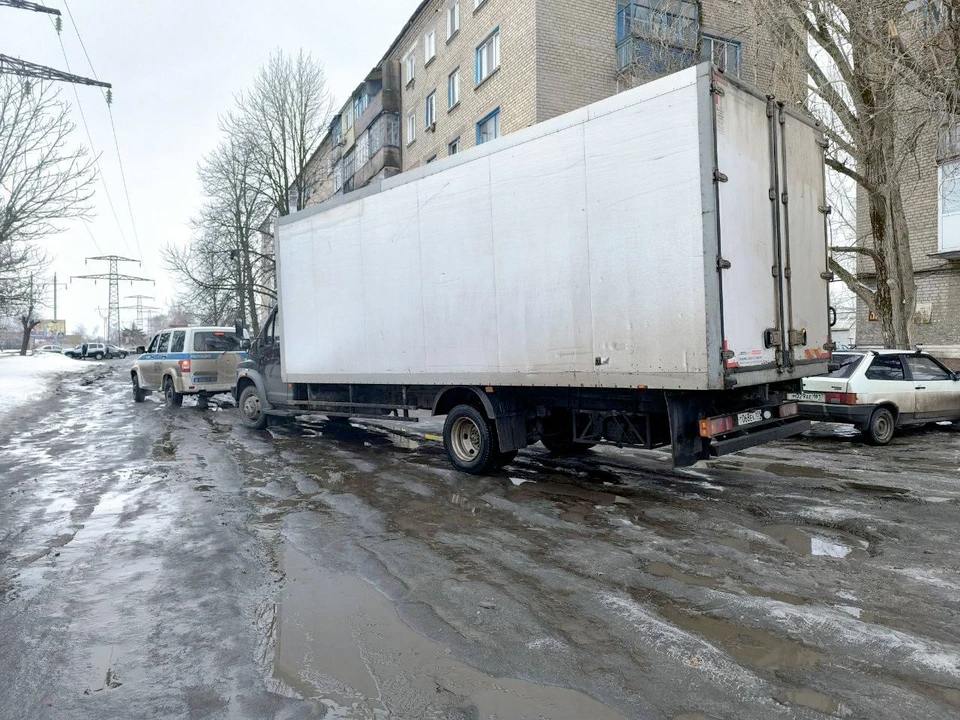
<point>649,270</point>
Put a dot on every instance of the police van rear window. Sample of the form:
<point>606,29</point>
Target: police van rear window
<point>215,341</point>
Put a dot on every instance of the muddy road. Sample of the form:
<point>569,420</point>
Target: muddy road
<point>176,565</point>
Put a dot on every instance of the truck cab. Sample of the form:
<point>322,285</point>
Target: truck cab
<point>179,361</point>
<point>259,387</point>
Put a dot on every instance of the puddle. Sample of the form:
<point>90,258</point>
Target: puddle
<point>340,642</point>
<point>810,544</point>
<point>809,699</point>
<point>800,471</point>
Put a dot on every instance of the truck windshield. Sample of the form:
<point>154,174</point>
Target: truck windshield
<point>215,341</point>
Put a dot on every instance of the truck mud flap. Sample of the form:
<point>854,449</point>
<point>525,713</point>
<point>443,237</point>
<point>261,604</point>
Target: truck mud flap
<point>720,447</point>
<point>684,411</point>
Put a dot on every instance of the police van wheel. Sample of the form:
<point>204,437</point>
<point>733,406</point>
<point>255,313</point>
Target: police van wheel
<point>170,395</point>
<point>138,392</point>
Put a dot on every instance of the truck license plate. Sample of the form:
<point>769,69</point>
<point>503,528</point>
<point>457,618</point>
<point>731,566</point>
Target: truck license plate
<point>807,397</point>
<point>748,418</point>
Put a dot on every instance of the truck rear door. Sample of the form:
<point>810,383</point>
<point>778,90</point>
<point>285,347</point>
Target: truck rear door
<point>770,183</point>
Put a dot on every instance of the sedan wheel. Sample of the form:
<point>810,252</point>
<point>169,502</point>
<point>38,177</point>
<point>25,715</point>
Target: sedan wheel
<point>880,429</point>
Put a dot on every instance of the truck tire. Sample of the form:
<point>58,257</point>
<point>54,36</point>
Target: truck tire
<point>172,398</point>
<point>470,441</point>
<point>881,427</point>
<point>251,409</point>
<point>139,394</point>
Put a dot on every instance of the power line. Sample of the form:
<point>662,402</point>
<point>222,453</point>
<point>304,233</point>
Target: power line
<point>96,157</point>
<point>113,128</point>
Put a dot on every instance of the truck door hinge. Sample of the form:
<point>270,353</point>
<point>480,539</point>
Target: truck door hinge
<point>716,89</point>
<point>772,195</point>
<point>772,338</point>
<point>829,276</point>
<point>798,338</point>
<point>719,176</point>
<point>826,209</point>
<point>824,143</point>
<point>830,346</point>
<point>787,272</point>
<point>785,199</point>
<point>774,271</point>
<point>723,264</point>
<point>726,355</point>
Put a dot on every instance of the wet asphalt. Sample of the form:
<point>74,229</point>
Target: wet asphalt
<point>170,564</point>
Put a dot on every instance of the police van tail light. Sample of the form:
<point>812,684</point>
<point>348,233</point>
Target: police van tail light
<point>184,365</point>
<point>835,398</point>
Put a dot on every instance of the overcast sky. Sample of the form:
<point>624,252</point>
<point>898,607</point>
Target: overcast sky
<point>174,65</point>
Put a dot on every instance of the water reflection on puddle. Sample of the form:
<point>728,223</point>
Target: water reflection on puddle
<point>338,641</point>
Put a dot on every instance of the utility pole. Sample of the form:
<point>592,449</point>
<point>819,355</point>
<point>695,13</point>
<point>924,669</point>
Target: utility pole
<point>55,285</point>
<point>113,276</point>
<point>23,68</point>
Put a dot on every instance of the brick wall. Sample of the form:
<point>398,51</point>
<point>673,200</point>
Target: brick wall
<point>512,87</point>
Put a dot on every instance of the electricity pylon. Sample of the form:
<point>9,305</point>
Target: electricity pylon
<point>23,68</point>
<point>113,277</point>
<point>139,307</point>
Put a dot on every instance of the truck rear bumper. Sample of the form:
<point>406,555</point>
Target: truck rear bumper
<point>720,446</point>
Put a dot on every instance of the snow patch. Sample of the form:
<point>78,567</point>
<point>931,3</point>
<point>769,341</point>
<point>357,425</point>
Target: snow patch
<point>24,379</point>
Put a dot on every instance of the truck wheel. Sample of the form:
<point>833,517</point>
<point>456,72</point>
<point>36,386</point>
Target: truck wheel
<point>138,392</point>
<point>470,441</point>
<point>251,410</point>
<point>880,429</point>
<point>170,394</point>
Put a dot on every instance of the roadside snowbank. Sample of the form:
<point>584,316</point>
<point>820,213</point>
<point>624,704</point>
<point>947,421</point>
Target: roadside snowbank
<point>24,379</point>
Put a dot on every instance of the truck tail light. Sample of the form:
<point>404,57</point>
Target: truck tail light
<point>789,410</point>
<point>835,398</point>
<point>711,427</point>
<point>184,365</point>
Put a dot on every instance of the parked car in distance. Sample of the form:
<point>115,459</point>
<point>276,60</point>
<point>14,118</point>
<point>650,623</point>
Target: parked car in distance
<point>182,361</point>
<point>880,391</point>
<point>49,349</point>
<point>116,352</point>
<point>75,352</point>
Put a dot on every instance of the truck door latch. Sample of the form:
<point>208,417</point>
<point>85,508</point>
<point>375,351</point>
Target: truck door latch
<point>719,176</point>
<point>798,337</point>
<point>723,264</point>
<point>772,338</point>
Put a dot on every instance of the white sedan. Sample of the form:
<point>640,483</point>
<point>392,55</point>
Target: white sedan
<point>882,391</point>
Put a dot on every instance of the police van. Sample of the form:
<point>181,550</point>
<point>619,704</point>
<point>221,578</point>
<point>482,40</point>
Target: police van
<point>199,361</point>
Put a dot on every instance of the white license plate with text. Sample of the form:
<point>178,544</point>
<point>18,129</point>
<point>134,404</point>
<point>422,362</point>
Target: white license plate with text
<point>807,397</point>
<point>748,418</point>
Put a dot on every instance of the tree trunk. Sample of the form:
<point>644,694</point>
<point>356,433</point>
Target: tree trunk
<point>28,326</point>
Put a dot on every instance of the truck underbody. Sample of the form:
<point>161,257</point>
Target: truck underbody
<point>496,422</point>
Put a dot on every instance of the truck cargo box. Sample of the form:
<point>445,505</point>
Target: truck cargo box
<point>669,237</point>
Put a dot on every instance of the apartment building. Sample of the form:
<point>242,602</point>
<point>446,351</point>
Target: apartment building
<point>472,70</point>
<point>463,72</point>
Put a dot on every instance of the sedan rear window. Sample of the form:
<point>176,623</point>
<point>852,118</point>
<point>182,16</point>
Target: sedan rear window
<point>843,366</point>
<point>215,341</point>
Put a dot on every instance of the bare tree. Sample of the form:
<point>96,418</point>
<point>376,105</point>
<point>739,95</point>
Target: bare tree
<point>283,118</point>
<point>23,293</point>
<point>44,180</point>
<point>878,82</point>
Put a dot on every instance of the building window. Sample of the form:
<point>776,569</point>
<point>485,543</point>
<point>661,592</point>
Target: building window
<point>429,46</point>
<point>453,89</point>
<point>453,20</point>
<point>725,54</point>
<point>337,176</point>
<point>453,147</point>
<point>489,128</point>
<point>488,56</point>
<point>430,111</point>
<point>410,64</point>
<point>411,127</point>
<point>950,206</point>
<point>360,103</point>
<point>656,36</point>
<point>363,149</point>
